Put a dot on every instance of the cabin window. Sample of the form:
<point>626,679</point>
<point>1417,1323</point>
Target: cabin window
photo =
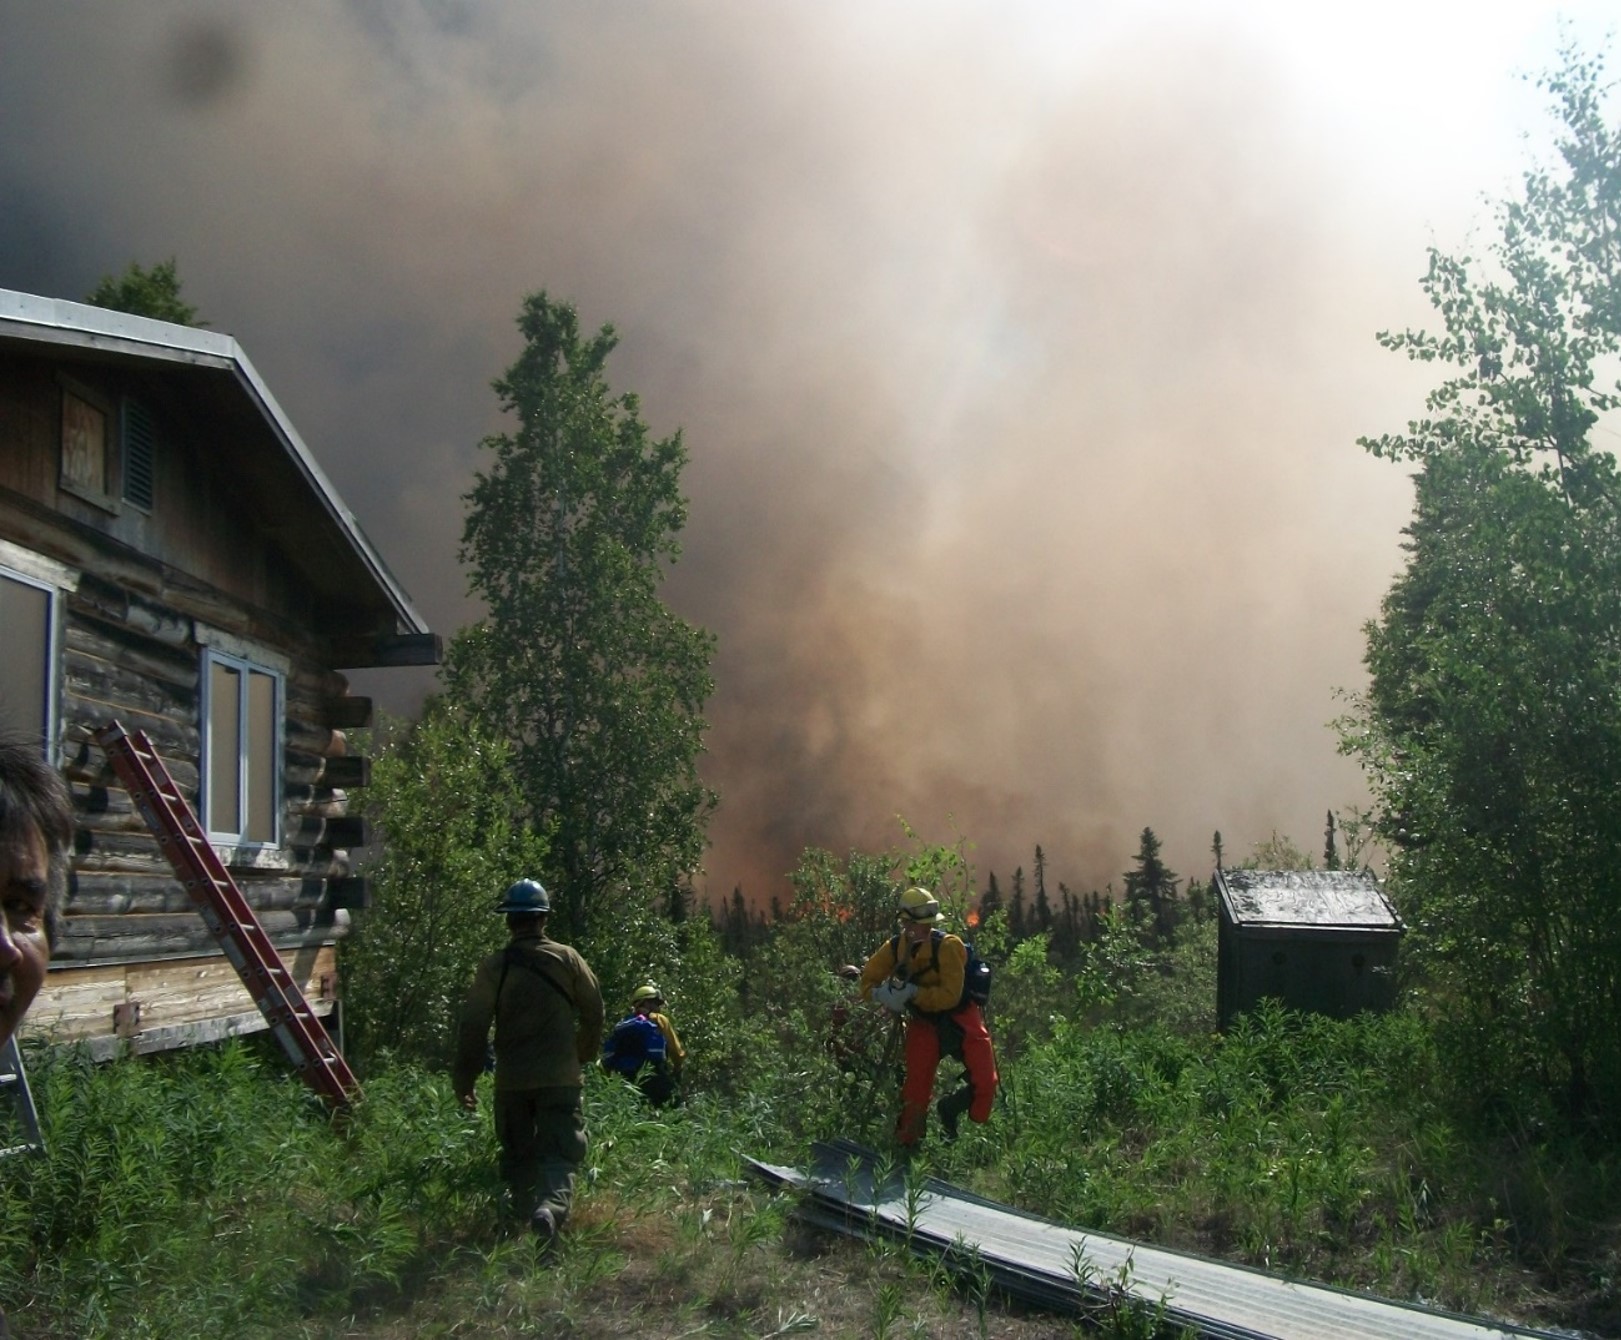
<point>27,655</point>
<point>89,446</point>
<point>242,750</point>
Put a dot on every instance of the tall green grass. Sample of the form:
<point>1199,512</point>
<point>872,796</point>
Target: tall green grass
<point>208,1193</point>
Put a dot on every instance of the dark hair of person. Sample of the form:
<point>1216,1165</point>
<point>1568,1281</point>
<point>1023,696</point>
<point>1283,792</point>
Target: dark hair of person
<point>33,794</point>
<point>526,923</point>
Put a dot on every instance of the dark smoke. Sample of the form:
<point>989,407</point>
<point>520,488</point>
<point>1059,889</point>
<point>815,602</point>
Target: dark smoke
<point>1020,370</point>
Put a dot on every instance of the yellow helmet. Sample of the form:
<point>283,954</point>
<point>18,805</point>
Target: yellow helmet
<point>920,907</point>
<point>646,994</point>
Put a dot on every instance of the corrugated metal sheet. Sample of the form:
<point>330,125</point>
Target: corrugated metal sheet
<point>1049,1265</point>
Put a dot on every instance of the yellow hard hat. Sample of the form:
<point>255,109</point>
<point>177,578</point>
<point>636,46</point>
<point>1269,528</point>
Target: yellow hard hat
<point>645,993</point>
<point>920,907</point>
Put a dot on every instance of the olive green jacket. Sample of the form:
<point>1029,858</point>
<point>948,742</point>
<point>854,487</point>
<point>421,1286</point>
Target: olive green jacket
<point>546,1006</point>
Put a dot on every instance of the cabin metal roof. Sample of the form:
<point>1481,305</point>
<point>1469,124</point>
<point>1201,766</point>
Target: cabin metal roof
<point>1306,899</point>
<point>218,373</point>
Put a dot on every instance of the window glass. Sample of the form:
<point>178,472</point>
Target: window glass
<point>261,760</point>
<point>224,743</point>
<point>25,615</point>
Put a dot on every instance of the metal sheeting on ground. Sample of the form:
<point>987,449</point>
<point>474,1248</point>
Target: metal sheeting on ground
<point>849,1189</point>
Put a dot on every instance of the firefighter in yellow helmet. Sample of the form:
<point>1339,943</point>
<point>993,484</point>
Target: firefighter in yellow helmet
<point>651,1062</point>
<point>920,973</point>
<point>649,998</point>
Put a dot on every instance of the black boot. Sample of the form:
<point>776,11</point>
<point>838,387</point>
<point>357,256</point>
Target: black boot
<point>951,1107</point>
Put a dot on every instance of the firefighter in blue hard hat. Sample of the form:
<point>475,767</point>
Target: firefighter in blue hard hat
<point>546,1006</point>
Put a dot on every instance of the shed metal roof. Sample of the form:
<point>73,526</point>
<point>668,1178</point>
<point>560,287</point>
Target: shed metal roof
<point>1311,899</point>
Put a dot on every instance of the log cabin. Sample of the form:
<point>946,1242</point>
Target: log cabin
<point>173,557</point>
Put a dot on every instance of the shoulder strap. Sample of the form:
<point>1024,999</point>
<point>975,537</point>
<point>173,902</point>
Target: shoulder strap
<point>935,936</point>
<point>516,958</point>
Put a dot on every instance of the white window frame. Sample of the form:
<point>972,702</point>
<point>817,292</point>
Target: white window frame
<point>247,667</point>
<point>53,579</point>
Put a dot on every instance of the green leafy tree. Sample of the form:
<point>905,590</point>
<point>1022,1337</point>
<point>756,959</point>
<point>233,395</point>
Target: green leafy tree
<point>1491,728</point>
<point>737,925</point>
<point>1028,996</point>
<point>1200,900</point>
<point>1018,922</point>
<point>1277,852</point>
<point>141,292</point>
<point>598,685</point>
<point>452,835</point>
<point>1067,931</point>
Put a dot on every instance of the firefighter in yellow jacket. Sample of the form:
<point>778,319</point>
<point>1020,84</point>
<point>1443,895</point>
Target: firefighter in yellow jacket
<point>920,973</point>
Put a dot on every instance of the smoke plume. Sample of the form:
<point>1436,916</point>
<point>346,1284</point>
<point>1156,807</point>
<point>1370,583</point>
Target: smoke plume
<point>1020,355</point>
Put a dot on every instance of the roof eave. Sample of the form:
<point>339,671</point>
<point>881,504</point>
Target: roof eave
<point>58,321</point>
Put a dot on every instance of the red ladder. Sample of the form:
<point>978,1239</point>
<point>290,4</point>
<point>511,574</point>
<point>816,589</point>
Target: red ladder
<point>229,915</point>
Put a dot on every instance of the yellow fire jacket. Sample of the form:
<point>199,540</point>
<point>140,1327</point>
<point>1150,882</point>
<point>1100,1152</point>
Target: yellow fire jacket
<point>939,978</point>
<point>672,1044</point>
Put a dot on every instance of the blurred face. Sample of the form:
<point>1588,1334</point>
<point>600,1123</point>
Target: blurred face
<point>24,950</point>
<point>916,931</point>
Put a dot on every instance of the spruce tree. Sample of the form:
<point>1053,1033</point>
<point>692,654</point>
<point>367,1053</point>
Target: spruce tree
<point>1151,889</point>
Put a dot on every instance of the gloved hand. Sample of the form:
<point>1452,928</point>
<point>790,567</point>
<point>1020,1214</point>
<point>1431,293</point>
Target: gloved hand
<point>894,995</point>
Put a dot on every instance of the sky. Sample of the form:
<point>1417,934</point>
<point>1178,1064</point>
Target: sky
<point>1020,350</point>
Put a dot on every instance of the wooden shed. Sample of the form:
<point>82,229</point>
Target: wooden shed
<point>1318,940</point>
<point>172,556</point>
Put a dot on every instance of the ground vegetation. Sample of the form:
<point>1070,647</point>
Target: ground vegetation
<point>208,1193</point>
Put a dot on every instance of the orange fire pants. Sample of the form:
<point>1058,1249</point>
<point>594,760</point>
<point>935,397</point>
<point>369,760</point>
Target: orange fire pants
<point>923,1060</point>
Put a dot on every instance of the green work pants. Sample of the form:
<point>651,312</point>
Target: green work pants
<point>542,1138</point>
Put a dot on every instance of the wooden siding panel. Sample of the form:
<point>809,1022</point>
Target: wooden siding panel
<point>147,1002</point>
<point>138,673</point>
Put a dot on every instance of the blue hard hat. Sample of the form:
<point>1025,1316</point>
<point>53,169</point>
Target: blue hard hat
<point>526,895</point>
